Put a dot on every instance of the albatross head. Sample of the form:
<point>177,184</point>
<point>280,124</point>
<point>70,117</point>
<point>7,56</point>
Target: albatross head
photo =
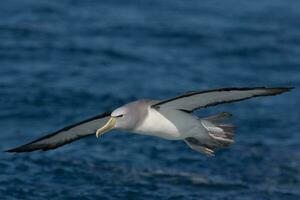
<point>125,118</point>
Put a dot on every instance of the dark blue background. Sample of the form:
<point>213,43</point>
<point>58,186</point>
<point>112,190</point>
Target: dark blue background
<point>62,61</point>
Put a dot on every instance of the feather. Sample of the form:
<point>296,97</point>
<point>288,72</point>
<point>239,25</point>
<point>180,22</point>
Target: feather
<point>202,99</point>
<point>65,135</point>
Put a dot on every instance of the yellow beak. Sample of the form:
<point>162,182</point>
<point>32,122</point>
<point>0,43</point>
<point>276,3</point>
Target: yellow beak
<point>108,126</point>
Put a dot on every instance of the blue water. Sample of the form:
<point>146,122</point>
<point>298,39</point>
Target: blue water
<point>62,61</point>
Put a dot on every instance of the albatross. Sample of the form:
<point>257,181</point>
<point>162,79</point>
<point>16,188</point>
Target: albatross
<point>170,119</point>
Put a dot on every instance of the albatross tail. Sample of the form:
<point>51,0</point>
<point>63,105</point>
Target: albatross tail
<point>219,135</point>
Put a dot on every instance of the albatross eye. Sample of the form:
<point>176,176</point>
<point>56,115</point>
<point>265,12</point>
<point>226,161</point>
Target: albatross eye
<point>120,116</point>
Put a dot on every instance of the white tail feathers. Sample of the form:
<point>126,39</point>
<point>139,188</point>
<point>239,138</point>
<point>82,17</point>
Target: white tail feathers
<point>219,135</point>
<point>223,133</point>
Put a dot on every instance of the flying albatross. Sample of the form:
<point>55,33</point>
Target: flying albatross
<point>171,119</point>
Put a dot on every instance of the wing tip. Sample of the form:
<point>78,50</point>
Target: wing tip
<point>20,149</point>
<point>279,90</point>
<point>16,150</point>
<point>9,151</point>
<point>31,147</point>
<point>13,150</point>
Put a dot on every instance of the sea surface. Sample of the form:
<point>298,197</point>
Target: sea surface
<point>62,61</point>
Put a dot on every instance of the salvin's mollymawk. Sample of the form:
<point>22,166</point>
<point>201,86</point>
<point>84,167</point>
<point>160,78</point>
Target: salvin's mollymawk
<point>171,119</point>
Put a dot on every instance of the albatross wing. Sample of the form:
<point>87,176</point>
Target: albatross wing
<point>65,135</point>
<point>202,99</point>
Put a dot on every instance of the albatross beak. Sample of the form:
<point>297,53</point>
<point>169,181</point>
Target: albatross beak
<point>108,126</point>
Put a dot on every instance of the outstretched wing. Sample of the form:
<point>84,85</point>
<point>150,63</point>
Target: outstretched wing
<point>202,99</point>
<point>65,135</point>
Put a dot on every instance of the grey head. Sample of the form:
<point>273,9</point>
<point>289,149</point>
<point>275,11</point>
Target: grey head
<point>127,117</point>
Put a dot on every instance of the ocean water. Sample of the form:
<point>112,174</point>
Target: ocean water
<point>64,60</point>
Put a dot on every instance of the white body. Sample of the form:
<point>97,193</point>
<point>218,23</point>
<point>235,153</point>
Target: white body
<point>170,124</point>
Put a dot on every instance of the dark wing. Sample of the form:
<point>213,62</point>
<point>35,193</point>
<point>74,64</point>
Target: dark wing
<point>195,100</point>
<point>65,135</point>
